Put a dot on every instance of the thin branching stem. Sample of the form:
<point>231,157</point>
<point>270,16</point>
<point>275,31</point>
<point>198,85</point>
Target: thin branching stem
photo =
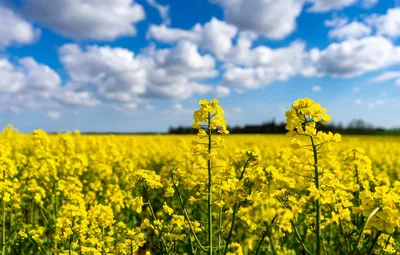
<point>387,243</point>
<point>210,230</point>
<point>188,219</point>
<point>264,235</point>
<point>4,218</point>
<point>371,249</point>
<point>154,217</point>
<point>364,226</point>
<point>271,240</point>
<point>235,209</point>
<point>318,201</point>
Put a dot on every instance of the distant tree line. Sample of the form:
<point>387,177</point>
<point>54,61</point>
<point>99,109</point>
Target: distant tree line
<point>355,127</point>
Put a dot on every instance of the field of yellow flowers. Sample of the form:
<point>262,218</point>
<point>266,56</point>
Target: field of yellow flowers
<point>307,193</point>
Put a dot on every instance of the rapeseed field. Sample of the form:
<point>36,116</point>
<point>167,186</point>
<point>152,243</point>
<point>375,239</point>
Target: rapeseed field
<point>308,192</point>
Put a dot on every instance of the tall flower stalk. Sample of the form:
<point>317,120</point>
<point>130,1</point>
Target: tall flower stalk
<point>209,119</point>
<point>302,120</point>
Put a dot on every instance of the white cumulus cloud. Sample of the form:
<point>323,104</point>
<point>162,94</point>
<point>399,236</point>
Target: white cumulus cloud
<point>387,24</point>
<point>15,30</point>
<point>118,76</point>
<point>163,10</point>
<point>81,19</point>
<point>329,5</point>
<point>114,73</point>
<point>215,35</point>
<point>352,30</point>
<point>28,84</point>
<point>271,18</point>
<point>386,76</point>
<point>355,57</point>
<point>336,22</point>
<point>252,68</point>
<point>369,3</point>
<point>221,91</point>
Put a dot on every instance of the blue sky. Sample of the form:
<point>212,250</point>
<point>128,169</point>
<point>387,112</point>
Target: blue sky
<point>142,65</point>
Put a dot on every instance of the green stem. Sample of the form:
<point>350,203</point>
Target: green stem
<point>55,212</point>
<point>299,238</point>
<point>40,246</point>
<point>374,242</point>
<point>146,195</point>
<point>209,189</point>
<point>187,218</point>
<point>235,209</point>
<point>270,240</point>
<point>364,226</point>
<point>318,202</point>
<point>102,239</point>
<point>191,244</point>
<point>387,243</point>
<point>357,218</point>
<point>260,242</point>
<point>219,227</point>
<point>346,245</point>
<point>131,248</point>
<point>71,239</point>
<point>4,218</point>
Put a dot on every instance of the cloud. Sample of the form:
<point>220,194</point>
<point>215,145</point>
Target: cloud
<point>80,19</point>
<point>271,18</point>
<point>387,24</point>
<point>336,22</point>
<point>11,79</point>
<point>215,35</point>
<point>15,30</point>
<point>72,98</point>
<point>39,76</point>
<point>251,68</point>
<point>386,76</point>
<point>352,30</point>
<point>397,83</point>
<point>329,5</point>
<point>316,88</point>
<point>118,76</point>
<point>54,115</point>
<point>354,57</point>
<point>27,76</point>
<point>114,73</point>
<point>221,91</point>
<point>358,101</point>
<point>247,67</point>
<point>162,9</point>
<point>184,59</point>
<point>356,89</point>
<point>177,107</point>
<point>369,3</point>
<point>28,84</point>
<point>174,73</point>
<point>374,104</point>
<point>125,107</point>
